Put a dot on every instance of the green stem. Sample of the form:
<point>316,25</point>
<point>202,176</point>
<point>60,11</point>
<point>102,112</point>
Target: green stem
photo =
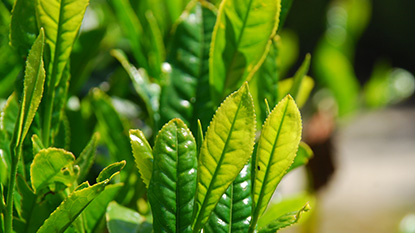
<point>8,218</point>
<point>47,121</point>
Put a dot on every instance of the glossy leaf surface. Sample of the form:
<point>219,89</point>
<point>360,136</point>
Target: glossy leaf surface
<point>173,182</point>
<point>61,20</point>
<point>276,151</point>
<point>123,220</point>
<point>226,148</point>
<point>187,94</point>
<point>233,212</point>
<point>241,39</point>
<point>284,221</point>
<point>143,155</point>
<point>52,165</point>
<point>110,171</point>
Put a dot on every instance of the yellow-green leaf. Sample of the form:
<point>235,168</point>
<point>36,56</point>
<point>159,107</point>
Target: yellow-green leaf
<point>143,154</point>
<point>52,165</point>
<point>61,20</point>
<point>241,39</point>
<point>276,151</point>
<point>226,148</point>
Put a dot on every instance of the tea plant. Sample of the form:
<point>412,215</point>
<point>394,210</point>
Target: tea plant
<point>220,181</point>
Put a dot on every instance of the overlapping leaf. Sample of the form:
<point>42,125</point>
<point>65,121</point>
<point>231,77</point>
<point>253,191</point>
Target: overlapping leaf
<point>143,155</point>
<point>241,39</point>
<point>123,220</point>
<point>225,150</point>
<point>23,27</point>
<point>233,212</point>
<point>173,182</point>
<point>276,151</point>
<point>187,94</point>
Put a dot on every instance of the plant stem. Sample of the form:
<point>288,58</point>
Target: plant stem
<point>47,121</point>
<point>8,218</point>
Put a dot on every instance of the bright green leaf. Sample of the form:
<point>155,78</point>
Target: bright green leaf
<point>33,88</point>
<point>143,155</point>
<point>61,21</point>
<point>306,86</point>
<point>186,95</point>
<point>110,171</point>
<point>173,182</point>
<point>52,165</point>
<point>233,212</point>
<point>226,148</point>
<point>37,144</point>
<point>86,158</point>
<point>276,151</point>
<point>284,220</point>
<point>240,42</point>
<point>123,220</point>
<point>299,76</point>
<point>71,207</point>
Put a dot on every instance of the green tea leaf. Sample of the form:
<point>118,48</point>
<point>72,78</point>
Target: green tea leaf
<point>95,211</point>
<point>143,155</point>
<point>110,171</point>
<point>61,21</point>
<point>173,182</point>
<point>52,165</point>
<point>33,88</point>
<point>186,95</point>
<point>306,86</point>
<point>37,144</point>
<point>226,148</point>
<point>240,42</point>
<point>285,8</point>
<point>299,76</point>
<point>233,212</point>
<point>304,154</point>
<point>86,158</point>
<point>71,207</point>
<point>123,220</point>
<point>276,151</point>
<point>284,221</point>
<point>264,84</point>
<point>23,29</point>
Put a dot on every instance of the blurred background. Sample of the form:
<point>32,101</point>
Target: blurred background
<point>363,169</point>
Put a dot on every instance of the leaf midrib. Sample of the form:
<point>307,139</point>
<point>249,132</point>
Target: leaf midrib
<point>218,165</point>
<point>238,42</point>
<point>261,194</point>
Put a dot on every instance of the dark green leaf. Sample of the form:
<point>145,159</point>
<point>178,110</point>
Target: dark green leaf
<point>186,95</point>
<point>86,158</point>
<point>95,211</point>
<point>173,182</point>
<point>23,29</point>
<point>233,212</point>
